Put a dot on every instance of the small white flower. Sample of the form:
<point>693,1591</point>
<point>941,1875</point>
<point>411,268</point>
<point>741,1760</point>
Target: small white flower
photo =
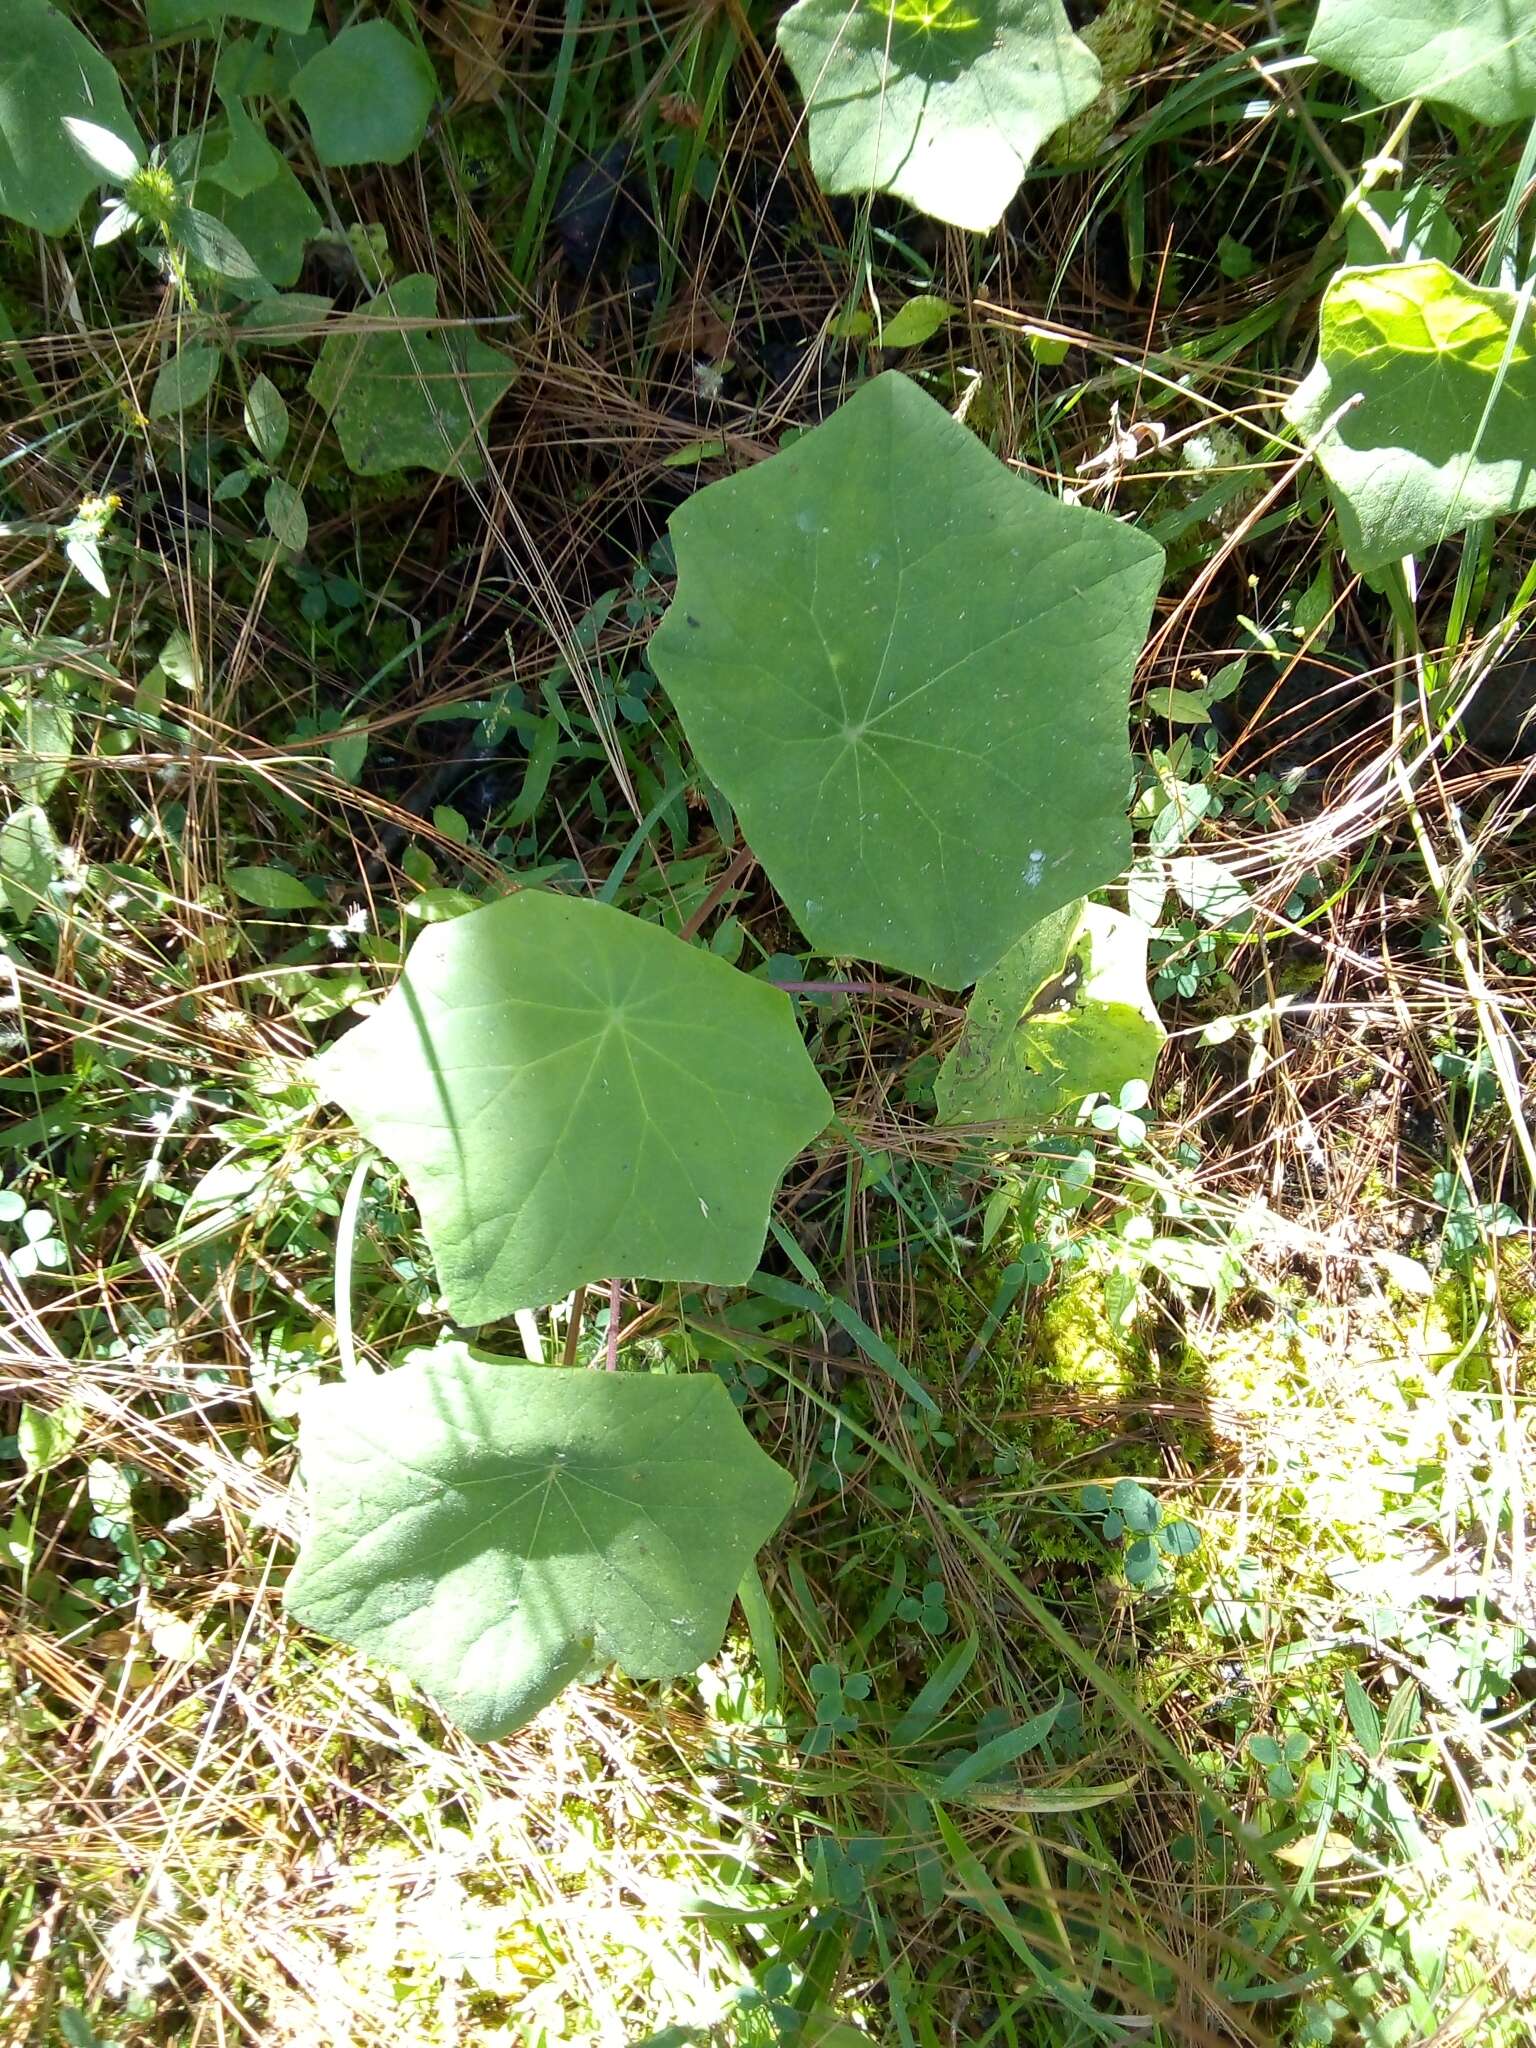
<point>355,924</point>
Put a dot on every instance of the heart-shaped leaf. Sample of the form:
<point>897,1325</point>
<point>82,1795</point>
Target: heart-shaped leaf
<point>1419,409</point>
<point>573,1095</point>
<point>1064,1014</point>
<point>941,102</point>
<point>909,672</point>
<point>367,96</point>
<point>1479,55</point>
<point>50,73</point>
<point>495,1531</point>
<point>402,397</point>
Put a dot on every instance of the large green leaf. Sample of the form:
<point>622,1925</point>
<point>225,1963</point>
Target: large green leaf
<point>50,72</point>
<point>495,1531</point>
<point>404,397</point>
<point>1065,1013</point>
<point>367,96</point>
<point>941,102</point>
<point>1420,407</point>
<point>1479,55</point>
<point>573,1095</point>
<point>908,670</point>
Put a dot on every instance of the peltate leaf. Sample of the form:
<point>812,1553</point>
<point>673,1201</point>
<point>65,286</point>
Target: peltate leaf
<point>1479,55</point>
<point>941,102</point>
<point>367,96</point>
<point>403,397</point>
<point>573,1095</point>
<point>909,672</point>
<point>495,1531</point>
<point>1064,1014</point>
<point>1420,407</point>
<point>50,71</point>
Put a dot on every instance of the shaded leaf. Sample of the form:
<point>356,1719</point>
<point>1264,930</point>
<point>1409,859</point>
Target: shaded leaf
<point>1401,227</point>
<point>908,670</point>
<point>573,1095</point>
<point>185,380</point>
<point>52,73</point>
<point>1064,1014</point>
<point>247,162</point>
<point>367,96</point>
<point>1479,55</point>
<point>496,1530</point>
<point>169,17</point>
<point>266,417</point>
<point>1419,409</point>
<point>402,396</point>
<point>209,242</point>
<point>272,224</point>
<point>29,860</point>
<point>285,515</point>
<point>271,889</point>
<point>942,105</point>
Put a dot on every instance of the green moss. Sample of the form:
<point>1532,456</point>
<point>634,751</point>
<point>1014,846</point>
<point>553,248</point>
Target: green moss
<point>1122,39</point>
<point>1079,1344</point>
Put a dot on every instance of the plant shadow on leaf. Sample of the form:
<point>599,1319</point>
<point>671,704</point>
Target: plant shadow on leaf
<point>941,105</point>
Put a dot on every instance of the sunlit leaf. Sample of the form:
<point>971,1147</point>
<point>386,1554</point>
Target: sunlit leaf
<point>29,860</point>
<point>104,151</point>
<point>940,102</point>
<point>908,670</point>
<point>1064,1014</point>
<point>573,1095</point>
<point>1479,55</point>
<point>1420,407</point>
<point>496,1530</point>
